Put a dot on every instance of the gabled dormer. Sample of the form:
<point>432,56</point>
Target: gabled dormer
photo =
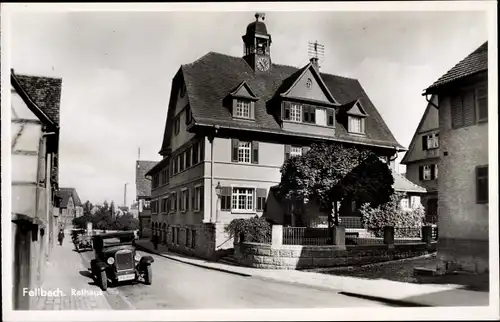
<point>352,115</point>
<point>242,102</point>
<point>306,103</point>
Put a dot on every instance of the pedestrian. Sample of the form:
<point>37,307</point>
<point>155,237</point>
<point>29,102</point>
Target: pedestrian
<point>60,237</point>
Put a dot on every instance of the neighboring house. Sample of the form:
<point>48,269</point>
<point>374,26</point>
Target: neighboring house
<point>35,103</point>
<point>143,196</point>
<point>71,207</point>
<point>422,159</point>
<point>232,122</point>
<point>463,167</point>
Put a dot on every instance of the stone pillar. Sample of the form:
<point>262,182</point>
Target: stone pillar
<point>277,235</point>
<point>339,235</point>
<point>427,234</point>
<point>389,235</point>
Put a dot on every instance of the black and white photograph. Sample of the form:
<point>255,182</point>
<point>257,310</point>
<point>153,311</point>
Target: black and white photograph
<point>249,161</point>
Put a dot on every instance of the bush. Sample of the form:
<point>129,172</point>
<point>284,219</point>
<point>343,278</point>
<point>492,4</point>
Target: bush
<point>256,229</point>
<point>391,214</point>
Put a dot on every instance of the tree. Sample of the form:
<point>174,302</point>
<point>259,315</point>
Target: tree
<point>329,173</point>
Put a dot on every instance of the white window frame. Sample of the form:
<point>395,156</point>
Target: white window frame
<point>353,120</point>
<point>184,199</point>
<point>432,141</point>
<point>243,108</point>
<point>295,151</point>
<point>197,197</point>
<point>427,172</point>
<point>405,203</point>
<point>244,152</point>
<point>295,112</point>
<point>248,200</point>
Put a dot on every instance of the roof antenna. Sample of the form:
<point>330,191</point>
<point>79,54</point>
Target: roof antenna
<point>139,154</point>
<point>316,52</point>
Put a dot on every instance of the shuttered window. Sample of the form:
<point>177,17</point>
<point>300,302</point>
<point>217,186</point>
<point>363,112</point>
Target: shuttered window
<point>225,200</point>
<point>261,199</point>
<point>244,152</point>
<point>468,108</point>
<point>309,114</point>
<point>330,117</point>
<point>482,103</point>
<point>482,184</point>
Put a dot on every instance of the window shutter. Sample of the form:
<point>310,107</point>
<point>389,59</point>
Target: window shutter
<point>202,149</point>
<point>305,113</point>
<point>312,114</point>
<point>252,110</point>
<point>469,109</point>
<point>330,117</point>
<point>234,144</point>
<point>255,152</point>
<point>421,173</point>
<point>482,103</point>
<point>456,111</point>
<point>226,192</point>
<point>287,152</point>
<point>286,109</point>
<point>433,171</point>
<point>202,197</point>
<point>424,142</point>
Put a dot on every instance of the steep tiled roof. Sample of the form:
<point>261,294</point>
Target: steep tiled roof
<point>404,185</point>
<point>66,193</point>
<point>212,77</point>
<point>477,61</point>
<point>45,92</point>
<point>143,185</point>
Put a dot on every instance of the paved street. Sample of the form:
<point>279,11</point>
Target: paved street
<point>182,286</point>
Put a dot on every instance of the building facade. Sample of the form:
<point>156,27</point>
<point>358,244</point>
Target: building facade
<point>463,179</point>
<point>35,192</point>
<point>71,207</point>
<point>143,196</point>
<point>232,122</point>
<point>422,159</point>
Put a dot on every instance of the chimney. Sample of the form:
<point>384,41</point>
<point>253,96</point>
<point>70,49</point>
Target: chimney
<point>314,62</point>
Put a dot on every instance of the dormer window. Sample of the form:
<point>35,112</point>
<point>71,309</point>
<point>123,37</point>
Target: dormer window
<point>243,108</point>
<point>295,112</point>
<point>356,124</point>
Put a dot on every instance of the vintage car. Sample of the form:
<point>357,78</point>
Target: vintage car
<point>116,260</point>
<point>75,233</point>
<point>84,242</point>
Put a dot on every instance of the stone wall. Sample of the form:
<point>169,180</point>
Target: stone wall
<point>294,257</point>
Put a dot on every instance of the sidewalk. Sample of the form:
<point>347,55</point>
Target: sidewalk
<point>382,290</point>
<point>63,273</point>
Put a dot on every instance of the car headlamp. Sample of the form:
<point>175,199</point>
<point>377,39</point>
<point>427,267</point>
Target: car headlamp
<point>137,257</point>
<point>110,261</point>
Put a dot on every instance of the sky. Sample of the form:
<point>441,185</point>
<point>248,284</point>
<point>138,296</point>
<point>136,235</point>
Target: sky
<point>117,69</point>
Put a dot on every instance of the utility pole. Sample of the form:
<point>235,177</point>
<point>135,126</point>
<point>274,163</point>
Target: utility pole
<point>125,195</point>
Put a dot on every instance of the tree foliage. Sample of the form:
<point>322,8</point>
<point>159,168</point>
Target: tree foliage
<point>102,217</point>
<point>256,229</point>
<point>328,173</point>
<point>392,214</point>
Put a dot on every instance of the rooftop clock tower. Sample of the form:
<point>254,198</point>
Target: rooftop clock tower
<point>257,44</point>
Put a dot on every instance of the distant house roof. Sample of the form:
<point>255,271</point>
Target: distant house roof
<point>212,77</point>
<point>66,193</point>
<point>142,184</point>
<point>45,92</point>
<point>476,62</point>
<point>402,184</point>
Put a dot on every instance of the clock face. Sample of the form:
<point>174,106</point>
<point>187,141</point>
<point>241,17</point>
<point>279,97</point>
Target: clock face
<point>263,63</point>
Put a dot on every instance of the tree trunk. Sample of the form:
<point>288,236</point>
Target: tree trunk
<point>331,222</point>
<point>336,213</point>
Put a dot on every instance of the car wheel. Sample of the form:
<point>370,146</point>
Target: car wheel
<point>103,280</point>
<point>148,275</point>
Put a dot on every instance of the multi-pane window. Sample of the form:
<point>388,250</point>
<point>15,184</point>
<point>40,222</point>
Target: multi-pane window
<point>185,200</point>
<point>295,151</point>
<point>242,199</point>
<point>295,112</point>
<point>356,124</point>
<point>177,125</point>
<point>482,103</point>
<point>430,141</point>
<point>482,194</point>
<point>405,203</point>
<point>244,149</point>
<point>197,198</point>
<point>428,172</point>
<point>173,206</point>
<point>242,108</point>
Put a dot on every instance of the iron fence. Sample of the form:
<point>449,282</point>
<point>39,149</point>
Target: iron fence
<point>407,235</point>
<point>352,238</point>
<point>305,236</point>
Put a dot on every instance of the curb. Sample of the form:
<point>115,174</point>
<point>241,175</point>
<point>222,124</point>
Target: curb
<point>385,300</point>
<point>191,263</point>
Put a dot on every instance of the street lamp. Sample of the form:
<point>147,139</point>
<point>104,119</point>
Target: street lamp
<point>218,192</point>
